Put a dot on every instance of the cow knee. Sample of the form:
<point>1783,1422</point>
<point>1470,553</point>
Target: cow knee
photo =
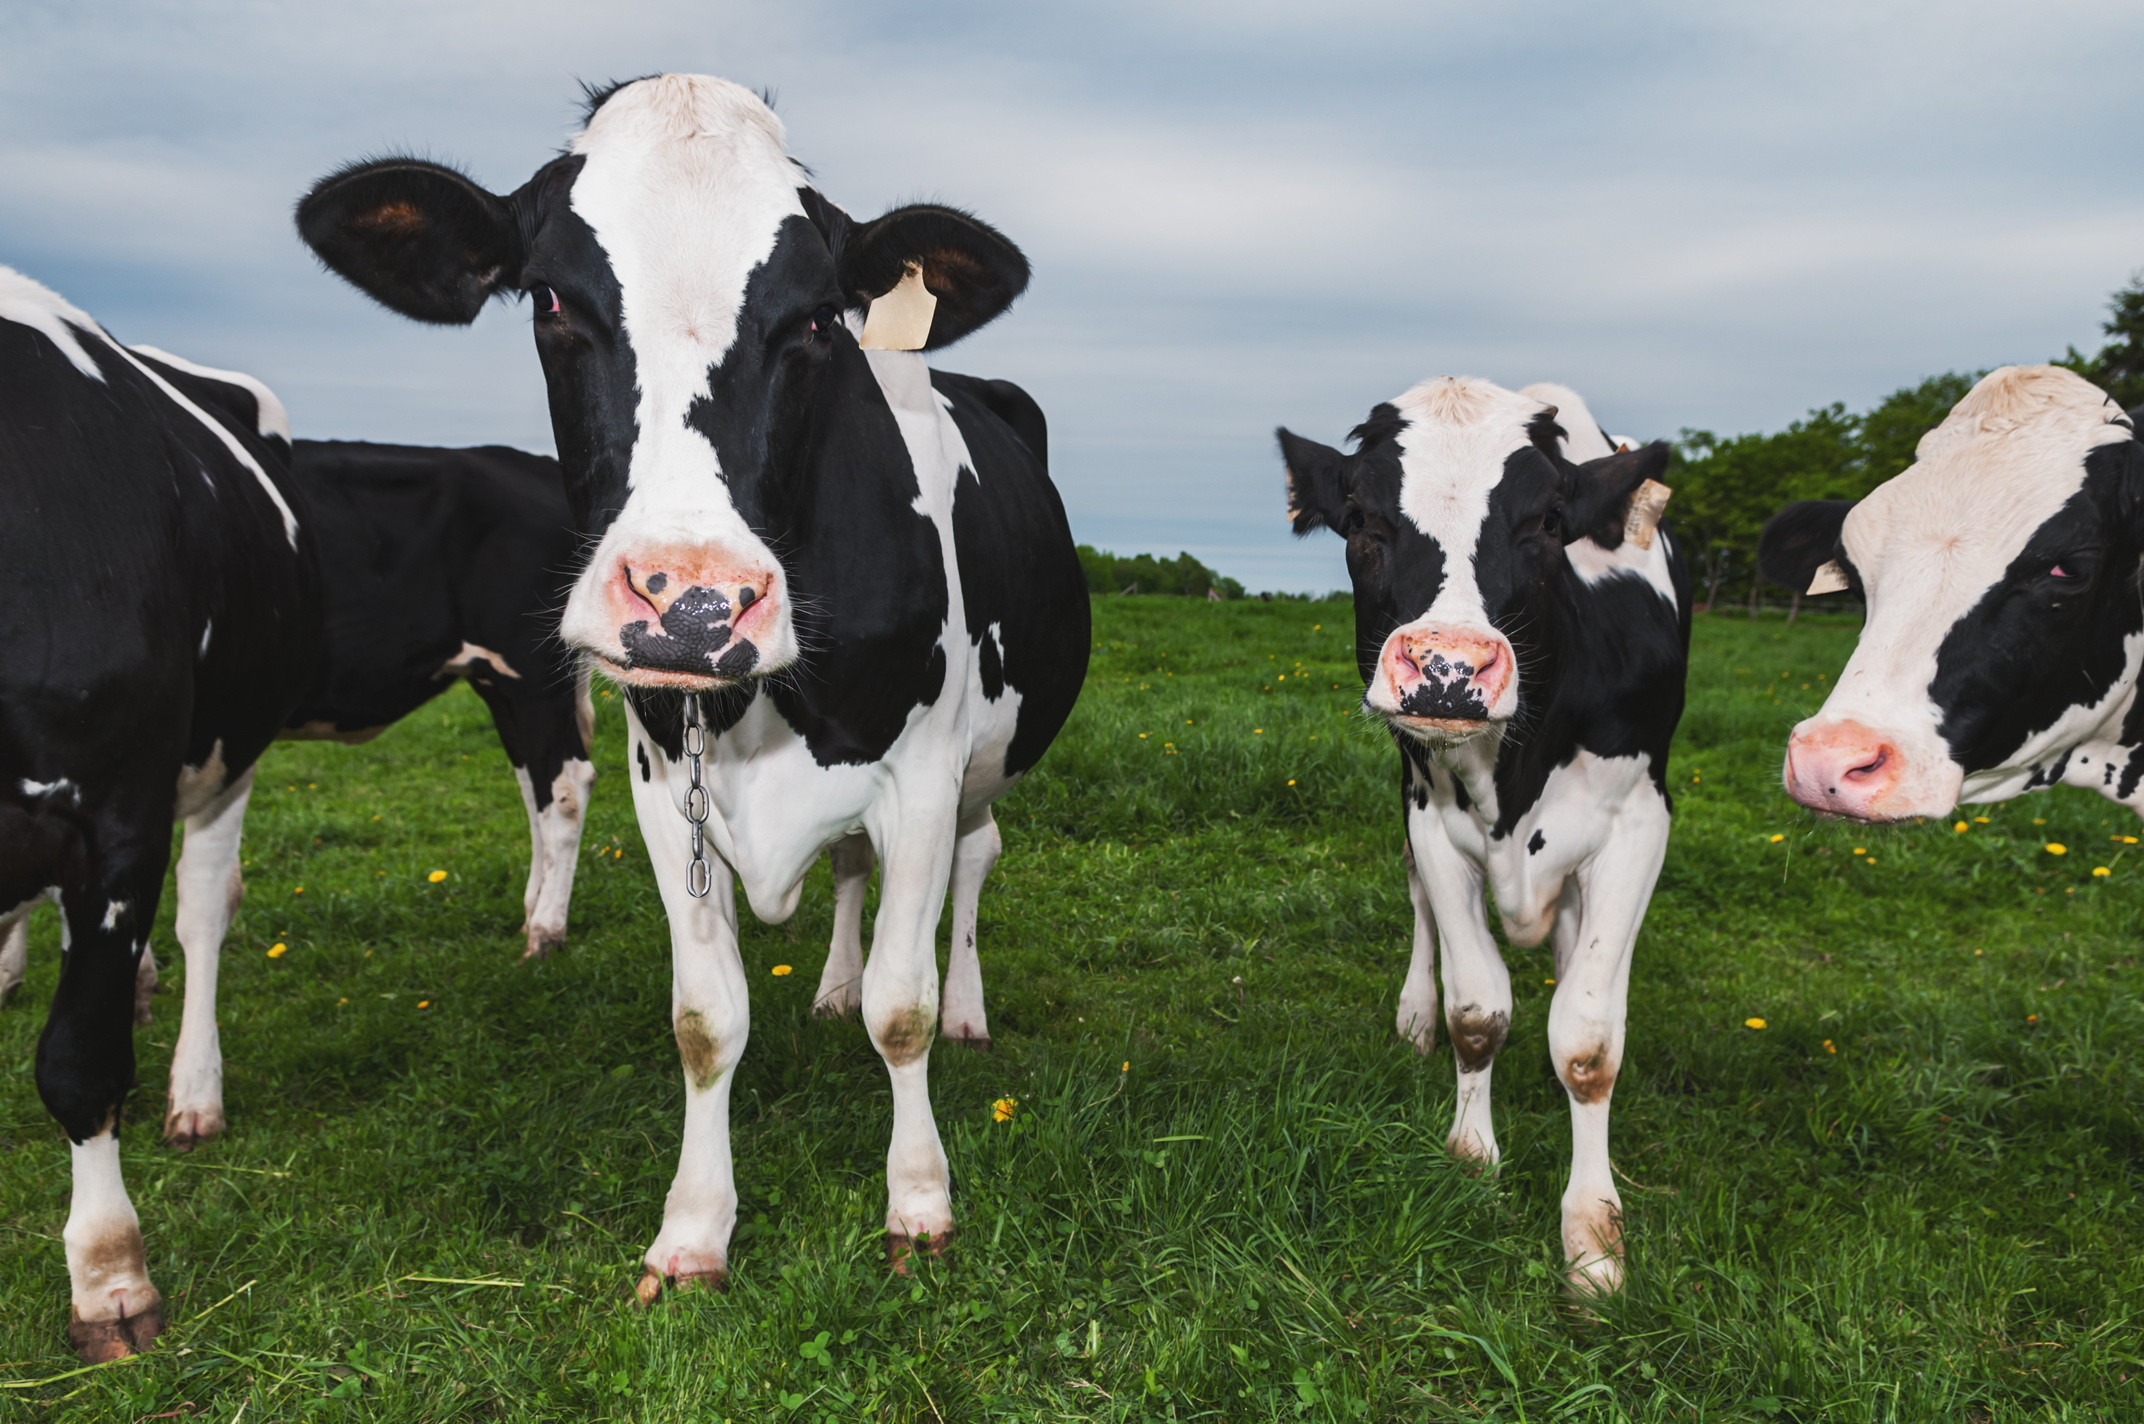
<point>1587,1071</point>
<point>1477,1035</point>
<point>903,1035</point>
<point>707,1046</point>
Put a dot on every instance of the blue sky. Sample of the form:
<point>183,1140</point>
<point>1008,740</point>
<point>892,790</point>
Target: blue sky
<point>1239,215</point>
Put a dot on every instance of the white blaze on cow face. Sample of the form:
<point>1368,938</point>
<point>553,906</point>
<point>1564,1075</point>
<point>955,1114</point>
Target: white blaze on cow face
<point>1929,545</point>
<point>1447,673</point>
<point>685,185</point>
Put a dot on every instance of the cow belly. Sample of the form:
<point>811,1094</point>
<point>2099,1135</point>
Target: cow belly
<point>1567,826</point>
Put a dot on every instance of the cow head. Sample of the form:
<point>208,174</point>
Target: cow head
<point>690,289</point>
<point>2000,572</point>
<point>1456,507</point>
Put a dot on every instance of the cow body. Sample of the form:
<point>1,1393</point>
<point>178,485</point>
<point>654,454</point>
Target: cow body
<point>160,618</point>
<point>1530,662</point>
<point>2004,632</point>
<point>854,567</point>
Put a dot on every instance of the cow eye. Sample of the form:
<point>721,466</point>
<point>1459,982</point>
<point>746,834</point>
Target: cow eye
<point>546,300</point>
<point>2060,572</point>
<point>1353,524</point>
<point>824,320</point>
<point>1552,521</point>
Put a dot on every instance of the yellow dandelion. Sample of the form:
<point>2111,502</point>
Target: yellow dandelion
<point>1003,1109</point>
<point>1142,736</point>
<point>2039,820</point>
<point>340,1002</point>
<point>618,854</point>
<point>2057,848</point>
<point>1258,731</point>
<point>2129,840</point>
<point>298,890</point>
<point>1127,1066</point>
<point>2101,870</point>
<point>1978,952</point>
<point>2032,1018</point>
<point>424,1003</point>
<point>1777,839</point>
<point>1549,982</point>
<point>1870,861</point>
<point>1291,781</point>
<point>436,876</point>
<point>1959,828</point>
<point>312,786</point>
<point>1753,1023</point>
<point>1980,820</point>
<point>782,969</point>
<point>1828,1048</point>
<point>1861,850</point>
<point>275,951</point>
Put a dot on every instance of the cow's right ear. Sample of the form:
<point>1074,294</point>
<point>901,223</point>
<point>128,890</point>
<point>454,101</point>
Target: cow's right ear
<point>416,237</point>
<point>973,270</point>
<point>1801,539</point>
<point>1317,484</point>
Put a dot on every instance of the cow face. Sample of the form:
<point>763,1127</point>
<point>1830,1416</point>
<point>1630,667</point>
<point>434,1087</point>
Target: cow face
<point>690,291</point>
<point>2000,572</point>
<point>1456,507</point>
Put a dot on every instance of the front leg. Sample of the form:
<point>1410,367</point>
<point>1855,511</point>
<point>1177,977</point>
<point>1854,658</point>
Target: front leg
<point>210,887</point>
<point>900,1005</point>
<point>1586,1027</point>
<point>710,1017</point>
<point>975,854</point>
<point>1477,988</point>
<point>841,982</point>
<point>1418,995</point>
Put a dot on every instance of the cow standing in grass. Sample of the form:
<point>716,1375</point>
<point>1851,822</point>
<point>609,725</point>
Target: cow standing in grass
<point>1524,631</point>
<point>159,619</point>
<point>2004,631</point>
<point>855,566</point>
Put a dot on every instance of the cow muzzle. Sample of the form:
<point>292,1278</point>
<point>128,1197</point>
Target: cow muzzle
<point>1840,767</point>
<point>681,619</point>
<point>1445,683</point>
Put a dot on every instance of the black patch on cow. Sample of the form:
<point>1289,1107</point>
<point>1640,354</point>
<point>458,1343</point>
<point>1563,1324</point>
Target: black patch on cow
<point>647,770</point>
<point>2035,645</point>
<point>424,550</point>
<point>1801,539</point>
<point>1535,841</point>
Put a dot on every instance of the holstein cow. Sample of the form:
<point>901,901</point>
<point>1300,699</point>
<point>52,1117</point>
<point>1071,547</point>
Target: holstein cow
<point>1523,628</point>
<point>434,564</point>
<point>159,616</point>
<point>837,586</point>
<point>2004,628</point>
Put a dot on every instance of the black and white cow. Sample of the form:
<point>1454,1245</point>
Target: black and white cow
<point>1529,659</point>
<point>434,564</point>
<point>159,616</point>
<point>857,566</point>
<point>2004,630</point>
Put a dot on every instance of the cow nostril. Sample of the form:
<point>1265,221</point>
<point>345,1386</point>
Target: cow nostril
<point>746,597</point>
<point>1869,768</point>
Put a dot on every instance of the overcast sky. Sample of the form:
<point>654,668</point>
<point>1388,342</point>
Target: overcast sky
<point>1239,214</point>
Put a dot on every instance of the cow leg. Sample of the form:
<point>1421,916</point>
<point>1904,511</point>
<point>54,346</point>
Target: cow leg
<point>210,887</point>
<point>710,1017</point>
<point>538,855</point>
<point>1418,995</point>
<point>144,986</point>
<point>901,1013</point>
<point>1585,1031</point>
<point>15,948</point>
<point>975,852</point>
<point>85,1068</point>
<point>554,852</point>
<point>841,983</point>
<point>1477,988</point>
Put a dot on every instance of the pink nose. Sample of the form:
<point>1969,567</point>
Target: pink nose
<point>1842,768</point>
<point>678,613</point>
<point>1447,674</point>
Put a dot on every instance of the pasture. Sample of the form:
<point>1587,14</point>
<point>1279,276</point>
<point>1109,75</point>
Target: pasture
<point>1911,1195</point>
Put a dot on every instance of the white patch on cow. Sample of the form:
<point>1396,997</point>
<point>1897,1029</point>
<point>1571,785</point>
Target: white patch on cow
<point>465,661</point>
<point>112,912</point>
<point>107,1268</point>
<point>208,627</point>
<point>554,853</point>
<point>271,420</point>
<point>217,428</point>
<point>1931,541</point>
<point>1460,430</point>
<point>199,785</point>
<point>51,788</point>
<point>210,887</point>
<point>686,185</point>
<point>31,303</point>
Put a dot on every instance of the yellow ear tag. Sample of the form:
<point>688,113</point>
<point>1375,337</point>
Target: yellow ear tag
<point>1829,579</point>
<point>901,319</point>
<point>1647,503</point>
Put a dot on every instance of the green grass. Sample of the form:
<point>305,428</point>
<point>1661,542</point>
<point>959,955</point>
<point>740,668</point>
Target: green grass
<point>1256,1218</point>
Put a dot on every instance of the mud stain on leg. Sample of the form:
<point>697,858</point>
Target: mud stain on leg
<point>697,1049</point>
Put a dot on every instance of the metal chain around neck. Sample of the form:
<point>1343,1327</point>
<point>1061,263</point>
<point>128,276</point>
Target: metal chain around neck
<point>698,877</point>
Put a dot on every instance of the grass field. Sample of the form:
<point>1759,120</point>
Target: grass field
<point>1912,1195</point>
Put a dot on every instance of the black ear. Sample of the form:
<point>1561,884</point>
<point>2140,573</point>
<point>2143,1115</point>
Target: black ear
<point>1597,500</point>
<point>1317,484</point>
<point>1801,539</point>
<point>416,237</point>
<point>969,266</point>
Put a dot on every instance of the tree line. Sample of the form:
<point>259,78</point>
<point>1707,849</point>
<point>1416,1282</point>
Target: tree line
<point>1183,575</point>
<point>1727,486</point>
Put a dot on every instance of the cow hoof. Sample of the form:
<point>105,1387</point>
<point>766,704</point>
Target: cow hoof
<point>901,1249</point>
<point>978,1041</point>
<point>542,942</point>
<point>652,1283</point>
<point>99,1342</point>
<point>835,1007</point>
<point>185,1127</point>
<point>1595,1278</point>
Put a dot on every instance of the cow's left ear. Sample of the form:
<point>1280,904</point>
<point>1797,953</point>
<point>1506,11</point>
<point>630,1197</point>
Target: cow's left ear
<point>1317,484</point>
<point>1597,500</point>
<point>415,236</point>
<point>973,270</point>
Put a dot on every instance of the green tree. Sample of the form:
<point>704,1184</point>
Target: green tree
<point>1143,573</point>
<point>2118,369</point>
